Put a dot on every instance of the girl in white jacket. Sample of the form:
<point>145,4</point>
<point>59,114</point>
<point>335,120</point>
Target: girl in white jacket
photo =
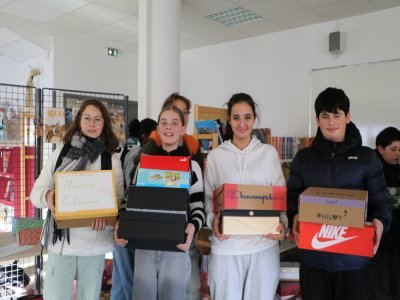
<point>78,252</point>
<point>241,266</point>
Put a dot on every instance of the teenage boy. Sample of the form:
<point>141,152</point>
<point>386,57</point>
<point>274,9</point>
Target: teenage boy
<point>337,159</point>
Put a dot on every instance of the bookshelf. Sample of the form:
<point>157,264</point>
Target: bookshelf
<point>17,171</point>
<point>209,113</point>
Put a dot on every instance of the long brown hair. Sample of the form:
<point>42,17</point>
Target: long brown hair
<point>235,99</point>
<point>110,139</point>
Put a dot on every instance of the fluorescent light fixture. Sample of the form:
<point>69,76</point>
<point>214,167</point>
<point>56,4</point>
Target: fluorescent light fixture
<point>235,17</point>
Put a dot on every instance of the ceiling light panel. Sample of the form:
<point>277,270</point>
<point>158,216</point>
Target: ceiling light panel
<point>235,17</point>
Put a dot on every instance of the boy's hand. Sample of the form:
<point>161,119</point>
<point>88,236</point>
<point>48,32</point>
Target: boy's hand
<point>296,228</point>
<point>118,241</point>
<point>216,228</point>
<point>378,226</point>
<point>189,237</point>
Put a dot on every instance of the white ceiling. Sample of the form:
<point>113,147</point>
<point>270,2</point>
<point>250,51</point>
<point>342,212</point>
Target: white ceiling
<point>26,24</point>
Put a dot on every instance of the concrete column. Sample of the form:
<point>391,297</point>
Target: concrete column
<point>159,54</point>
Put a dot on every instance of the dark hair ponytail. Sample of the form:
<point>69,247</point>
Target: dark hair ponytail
<point>235,99</point>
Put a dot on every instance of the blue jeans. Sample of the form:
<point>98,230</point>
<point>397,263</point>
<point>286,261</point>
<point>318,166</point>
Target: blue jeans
<point>193,289</point>
<point>161,275</point>
<point>122,275</point>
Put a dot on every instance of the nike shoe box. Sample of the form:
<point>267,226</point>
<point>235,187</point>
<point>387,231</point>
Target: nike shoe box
<point>155,218</point>
<point>333,206</point>
<point>337,239</point>
<point>249,197</point>
<point>250,222</point>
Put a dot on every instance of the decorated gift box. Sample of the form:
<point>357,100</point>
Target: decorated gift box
<point>30,236</point>
<point>20,223</point>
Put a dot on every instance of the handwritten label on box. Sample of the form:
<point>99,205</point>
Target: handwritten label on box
<point>85,190</point>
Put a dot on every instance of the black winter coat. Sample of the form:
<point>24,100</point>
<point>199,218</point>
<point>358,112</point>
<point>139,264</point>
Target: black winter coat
<point>391,239</point>
<point>346,165</point>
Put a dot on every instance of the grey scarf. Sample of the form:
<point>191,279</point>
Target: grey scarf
<point>85,150</point>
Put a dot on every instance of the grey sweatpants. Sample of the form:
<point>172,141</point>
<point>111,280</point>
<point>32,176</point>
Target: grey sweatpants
<point>244,277</point>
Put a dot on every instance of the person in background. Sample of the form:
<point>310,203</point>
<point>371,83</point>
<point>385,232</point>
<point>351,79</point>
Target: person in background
<point>192,147</point>
<point>124,258</point>
<point>187,141</point>
<point>337,159</point>
<point>164,274</point>
<point>78,252</point>
<point>242,266</point>
<point>385,266</point>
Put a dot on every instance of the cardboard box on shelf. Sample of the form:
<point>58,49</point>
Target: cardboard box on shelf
<point>249,197</point>
<point>249,221</point>
<point>337,239</point>
<point>152,230</point>
<point>83,196</point>
<point>333,206</point>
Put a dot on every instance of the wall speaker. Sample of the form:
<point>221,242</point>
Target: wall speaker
<point>336,42</point>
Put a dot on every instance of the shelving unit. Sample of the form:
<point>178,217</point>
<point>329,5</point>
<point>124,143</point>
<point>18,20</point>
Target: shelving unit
<point>17,172</point>
<point>208,113</point>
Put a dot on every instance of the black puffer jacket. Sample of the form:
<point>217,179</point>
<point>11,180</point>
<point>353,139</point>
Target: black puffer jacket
<point>346,165</point>
<point>391,239</point>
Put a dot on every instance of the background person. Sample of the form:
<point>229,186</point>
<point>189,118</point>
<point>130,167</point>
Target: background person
<point>385,266</point>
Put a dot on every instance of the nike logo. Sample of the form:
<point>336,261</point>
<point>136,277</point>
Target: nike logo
<point>317,244</point>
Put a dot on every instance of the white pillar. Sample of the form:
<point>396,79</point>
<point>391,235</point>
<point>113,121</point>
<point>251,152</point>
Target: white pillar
<point>159,54</point>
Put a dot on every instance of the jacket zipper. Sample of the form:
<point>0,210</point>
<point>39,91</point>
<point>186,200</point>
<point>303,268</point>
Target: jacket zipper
<point>332,162</point>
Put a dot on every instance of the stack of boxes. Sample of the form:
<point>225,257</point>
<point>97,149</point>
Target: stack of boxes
<point>333,220</point>
<point>249,209</point>
<point>156,213</point>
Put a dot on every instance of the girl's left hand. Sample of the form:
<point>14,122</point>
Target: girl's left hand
<point>189,237</point>
<point>99,224</point>
<point>278,236</point>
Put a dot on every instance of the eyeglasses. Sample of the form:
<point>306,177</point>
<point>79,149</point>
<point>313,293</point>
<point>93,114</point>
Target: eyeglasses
<point>186,112</point>
<point>96,120</point>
